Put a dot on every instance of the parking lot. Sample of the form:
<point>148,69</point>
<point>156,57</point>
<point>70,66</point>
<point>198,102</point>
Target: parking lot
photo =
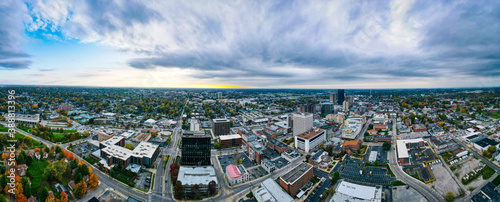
<point>280,162</point>
<point>229,159</point>
<point>84,149</point>
<point>350,171</point>
<point>381,157</point>
<point>143,181</point>
<point>316,193</point>
<point>418,158</point>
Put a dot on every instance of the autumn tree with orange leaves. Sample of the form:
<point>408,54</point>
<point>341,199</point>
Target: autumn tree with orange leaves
<point>93,181</point>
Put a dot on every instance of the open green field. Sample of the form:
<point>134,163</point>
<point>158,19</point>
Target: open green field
<point>496,181</point>
<point>37,167</point>
<point>3,128</point>
<point>487,172</point>
<point>496,115</point>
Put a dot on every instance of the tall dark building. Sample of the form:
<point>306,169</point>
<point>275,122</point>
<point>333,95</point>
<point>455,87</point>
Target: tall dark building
<point>196,148</point>
<point>309,108</point>
<point>326,108</point>
<point>221,127</point>
<point>340,97</point>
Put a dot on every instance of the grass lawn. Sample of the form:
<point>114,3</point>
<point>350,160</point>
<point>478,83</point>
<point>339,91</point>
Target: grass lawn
<point>3,129</point>
<point>91,160</point>
<point>496,181</point>
<point>446,156</point>
<point>390,172</point>
<point>37,167</point>
<point>25,129</point>
<point>487,172</point>
<point>397,183</point>
<point>496,115</point>
<point>59,135</point>
<point>34,143</point>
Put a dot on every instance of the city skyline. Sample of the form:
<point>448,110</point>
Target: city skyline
<point>279,44</point>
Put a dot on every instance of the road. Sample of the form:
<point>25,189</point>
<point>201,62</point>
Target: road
<point>427,192</point>
<point>365,127</point>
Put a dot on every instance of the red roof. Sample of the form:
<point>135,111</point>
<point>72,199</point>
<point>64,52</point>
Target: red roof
<point>233,171</point>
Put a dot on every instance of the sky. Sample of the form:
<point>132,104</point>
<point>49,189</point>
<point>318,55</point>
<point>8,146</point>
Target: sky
<point>258,44</point>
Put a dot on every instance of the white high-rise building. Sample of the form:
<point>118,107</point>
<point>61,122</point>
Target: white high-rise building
<point>302,122</point>
<point>194,125</point>
<point>219,95</point>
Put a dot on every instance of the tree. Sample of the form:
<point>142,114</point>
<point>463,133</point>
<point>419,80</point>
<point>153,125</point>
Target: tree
<point>80,189</point>
<point>179,190</point>
<point>486,154</point>
<point>387,145</point>
<point>63,197</point>
<point>2,198</point>
<point>212,187</point>
<point>93,181</point>
<point>78,178</point>
<point>450,196</point>
<point>196,192</point>
<point>26,186</point>
<point>492,149</point>
<point>43,194</point>
<point>83,168</point>
<point>217,145</point>
<point>129,146</point>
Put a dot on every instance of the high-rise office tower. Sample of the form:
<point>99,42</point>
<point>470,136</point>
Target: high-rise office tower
<point>221,127</point>
<point>302,122</point>
<point>195,148</point>
<point>333,97</point>
<point>341,97</point>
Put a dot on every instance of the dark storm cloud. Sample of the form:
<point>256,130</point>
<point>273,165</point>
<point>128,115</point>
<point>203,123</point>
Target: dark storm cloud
<point>299,40</point>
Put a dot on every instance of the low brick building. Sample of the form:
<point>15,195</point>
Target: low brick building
<point>382,138</point>
<point>276,145</point>
<point>351,145</point>
<point>292,181</point>
<point>230,140</point>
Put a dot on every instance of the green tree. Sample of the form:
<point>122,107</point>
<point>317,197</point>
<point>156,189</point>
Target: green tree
<point>43,194</point>
<point>449,196</point>
<point>217,145</point>
<point>387,145</point>
<point>492,149</point>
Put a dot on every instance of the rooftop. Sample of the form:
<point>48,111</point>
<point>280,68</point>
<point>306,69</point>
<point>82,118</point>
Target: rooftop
<point>112,141</point>
<point>359,191</point>
<point>257,146</point>
<point>296,173</point>
<point>229,137</point>
<point>276,191</point>
<point>220,120</point>
<point>196,175</point>
<point>233,171</point>
<point>310,133</point>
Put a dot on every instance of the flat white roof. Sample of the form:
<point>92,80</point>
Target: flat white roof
<point>112,141</point>
<point>358,191</point>
<point>229,137</point>
<point>276,191</point>
<point>373,156</point>
<point>401,144</point>
<point>196,175</point>
<point>146,149</point>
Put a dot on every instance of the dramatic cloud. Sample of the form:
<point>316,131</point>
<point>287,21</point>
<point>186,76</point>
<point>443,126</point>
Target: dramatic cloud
<point>12,13</point>
<point>301,41</point>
